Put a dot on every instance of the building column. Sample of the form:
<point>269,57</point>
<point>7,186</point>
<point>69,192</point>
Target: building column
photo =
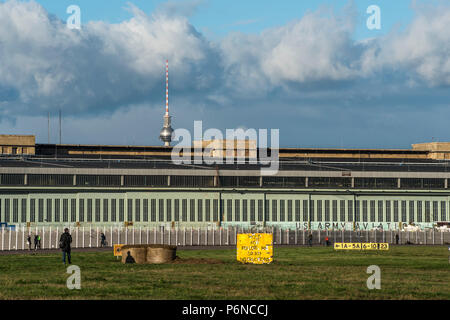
<point>25,179</point>
<point>446,183</point>
<point>399,184</point>
<point>353,182</point>
<point>75,180</point>
<point>122,180</point>
<point>168,181</point>
<point>260,181</point>
<point>306,182</point>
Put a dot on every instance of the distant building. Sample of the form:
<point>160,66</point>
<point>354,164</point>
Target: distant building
<point>83,185</point>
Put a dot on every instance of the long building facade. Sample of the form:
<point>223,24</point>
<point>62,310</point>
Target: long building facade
<point>83,188</point>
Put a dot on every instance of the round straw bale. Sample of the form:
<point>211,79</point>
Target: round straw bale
<point>137,254</point>
<point>157,253</point>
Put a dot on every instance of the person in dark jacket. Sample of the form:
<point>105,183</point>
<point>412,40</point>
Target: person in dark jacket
<point>396,238</point>
<point>103,238</point>
<point>36,241</point>
<point>310,238</point>
<point>64,242</point>
<point>29,242</point>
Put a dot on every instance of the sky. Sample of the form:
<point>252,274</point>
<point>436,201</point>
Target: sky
<point>312,69</point>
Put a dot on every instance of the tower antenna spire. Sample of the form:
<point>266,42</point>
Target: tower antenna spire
<point>167,131</point>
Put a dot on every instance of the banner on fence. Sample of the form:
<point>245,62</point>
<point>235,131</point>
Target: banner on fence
<point>256,248</point>
<point>360,246</point>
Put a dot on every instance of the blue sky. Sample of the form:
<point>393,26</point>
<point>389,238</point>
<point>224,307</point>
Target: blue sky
<point>309,68</point>
<point>218,18</point>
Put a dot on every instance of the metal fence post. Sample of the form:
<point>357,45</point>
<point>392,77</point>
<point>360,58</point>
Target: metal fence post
<point>184,236</point>
<point>56,237</point>
<point>198,236</point>
<point>319,235</point>
<point>3,237</point>
<point>176,236</point>
<point>304,237</point>
<point>213,236</point>
<point>23,237</point>
<point>50,238</point>
<point>96,237</point>
<point>206,236</point>
<point>220,236</point>
<point>433,236</point>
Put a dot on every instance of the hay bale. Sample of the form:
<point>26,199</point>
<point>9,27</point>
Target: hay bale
<point>161,253</point>
<point>134,254</point>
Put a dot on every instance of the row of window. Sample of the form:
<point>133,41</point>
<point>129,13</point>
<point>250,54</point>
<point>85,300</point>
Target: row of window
<point>222,181</point>
<point>207,210</point>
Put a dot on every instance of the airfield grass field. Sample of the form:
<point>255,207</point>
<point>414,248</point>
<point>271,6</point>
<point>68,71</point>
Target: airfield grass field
<point>407,272</point>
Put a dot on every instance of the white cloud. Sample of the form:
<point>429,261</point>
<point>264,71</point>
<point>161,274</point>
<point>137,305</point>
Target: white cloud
<point>308,65</point>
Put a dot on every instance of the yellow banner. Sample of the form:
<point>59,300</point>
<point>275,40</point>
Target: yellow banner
<point>360,246</point>
<point>118,250</point>
<point>256,248</point>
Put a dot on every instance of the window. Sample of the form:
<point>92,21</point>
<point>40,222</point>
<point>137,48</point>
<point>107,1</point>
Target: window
<point>404,219</point>
<point>327,210</point>
<point>199,210</point>
<point>153,210</point>
<point>113,210</point>
<point>192,210</point>
<point>7,210</point>
<point>435,211</point>
<point>24,210</point>
<point>177,210</point>
<point>260,210</point>
<point>80,210</point>
<point>319,210</point>
<point>350,210</point>
<point>168,209</point>
<point>364,203</point>
<point>49,210</point>
<point>411,211</point>
<point>207,210</point>
<point>73,210</point>
<point>160,209</point>
<point>274,210</point>
<point>244,210</point>
<point>419,211</point>
<point>215,210</point>
<point>329,182</point>
<point>266,210</point>
<point>89,210</point>
<point>305,210</point>
<point>32,210</point>
<point>50,179</point>
<point>57,210</point>
<point>105,210</point>
<point>372,211</point>
<point>145,181</point>
<point>184,210</point>
<point>282,210</point>
<point>15,210</point>
<point>342,210</point>
<point>229,210</point>
<point>252,210</point>
<point>298,209</point>
<point>40,210</point>
<point>312,216</point>
<point>357,211</point>
<point>66,210</point>
<point>334,209</point>
<point>380,211</point>
<point>145,210</point>
<point>388,211</point>
<point>443,211</point>
<point>97,210</point>
<point>121,210</point>
<point>237,210</point>
<point>427,211</point>
<point>130,210</point>
<point>289,207</point>
<point>396,211</point>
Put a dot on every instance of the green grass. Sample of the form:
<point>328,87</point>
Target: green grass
<point>296,273</point>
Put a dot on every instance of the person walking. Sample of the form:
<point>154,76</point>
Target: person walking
<point>396,238</point>
<point>327,241</point>
<point>103,238</point>
<point>39,241</point>
<point>36,241</point>
<point>64,243</point>
<point>29,241</point>
<point>310,238</point>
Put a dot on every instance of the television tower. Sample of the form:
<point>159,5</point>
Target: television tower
<point>167,131</point>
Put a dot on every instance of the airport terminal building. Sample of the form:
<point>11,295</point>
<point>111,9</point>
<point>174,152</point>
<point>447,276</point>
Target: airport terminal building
<point>86,185</point>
